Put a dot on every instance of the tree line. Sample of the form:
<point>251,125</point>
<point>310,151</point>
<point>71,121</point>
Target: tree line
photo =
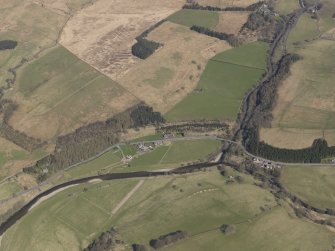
<point>264,101</point>
<point>196,126</point>
<point>90,140</point>
<point>197,6</point>
<point>106,241</point>
<point>230,38</point>
<point>167,239</point>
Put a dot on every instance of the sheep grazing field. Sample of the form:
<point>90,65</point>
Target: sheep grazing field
<point>305,109</point>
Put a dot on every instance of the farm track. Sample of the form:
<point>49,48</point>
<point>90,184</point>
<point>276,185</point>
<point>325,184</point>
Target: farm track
<point>112,176</point>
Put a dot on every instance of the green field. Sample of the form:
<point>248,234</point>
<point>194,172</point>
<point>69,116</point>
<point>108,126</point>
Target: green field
<point>204,18</point>
<point>68,220</point>
<point>306,29</point>
<point>171,156</point>
<point>314,185</point>
<point>59,92</point>
<point>276,231</point>
<point>165,156</point>
<point>77,216</point>
<point>105,161</point>
<point>286,6</point>
<point>8,188</point>
<point>223,84</point>
<point>306,99</point>
<point>197,203</point>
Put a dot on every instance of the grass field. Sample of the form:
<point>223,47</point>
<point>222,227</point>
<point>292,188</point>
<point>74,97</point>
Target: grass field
<point>201,203</point>
<point>305,107</point>
<point>172,72</point>
<point>277,230</point>
<point>174,154</point>
<point>204,18</point>
<point>58,92</point>
<point>166,156</point>
<point>8,188</point>
<point>286,6</point>
<point>223,84</point>
<point>72,217</point>
<point>314,185</point>
<point>105,161</point>
<point>305,30</point>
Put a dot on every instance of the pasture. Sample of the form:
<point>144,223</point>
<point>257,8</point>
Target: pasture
<point>204,18</point>
<point>169,155</point>
<point>315,184</point>
<point>305,105</point>
<point>58,93</point>
<point>172,72</point>
<point>231,22</point>
<point>173,155</point>
<point>8,188</point>
<point>73,217</point>
<point>285,7</point>
<point>223,84</point>
<point>276,230</point>
<point>102,163</point>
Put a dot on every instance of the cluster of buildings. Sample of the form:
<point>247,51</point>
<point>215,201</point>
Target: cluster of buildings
<point>266,164</point>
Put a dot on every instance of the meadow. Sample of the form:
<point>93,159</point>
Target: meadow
<point>204,18</point>
<point>170,155</point>
<point>305,107</point>
<point>173,155</point>
<point>58,92</point>
<point>223,84</point>
<point>286,6</point>
<point>315,184</point>
<point>276,230</point>
<point>173,71</point>
<point>201,203</point>
<point>71,218</point>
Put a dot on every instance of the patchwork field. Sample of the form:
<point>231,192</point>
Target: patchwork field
<point>204,18</point>
<point>35,27</point>
<point>305,107</point>
<point>103,33</point>
<point>170,155</point>
<point>223,84</point>
<point>173,71</point>
<point>71,218</point>
<point>80,209</point>
<point>58,93</point>
<point>277,230</point>
<point>174,154</point>
<point>314,185</point>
